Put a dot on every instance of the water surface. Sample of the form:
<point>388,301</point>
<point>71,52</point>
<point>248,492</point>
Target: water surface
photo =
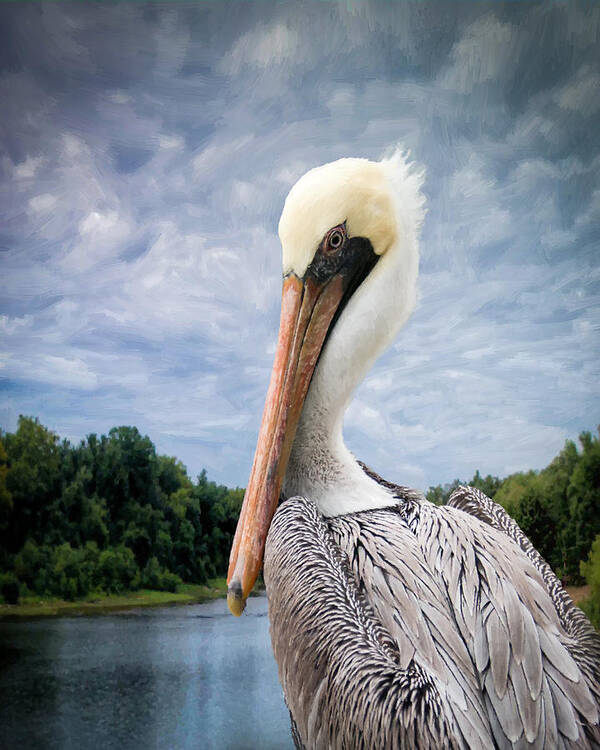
<point>175,677</point>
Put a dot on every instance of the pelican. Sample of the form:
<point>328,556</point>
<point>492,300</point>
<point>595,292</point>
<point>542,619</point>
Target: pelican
<point>395,623</point>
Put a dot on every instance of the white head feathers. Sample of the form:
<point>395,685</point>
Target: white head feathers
<point>379,200</point>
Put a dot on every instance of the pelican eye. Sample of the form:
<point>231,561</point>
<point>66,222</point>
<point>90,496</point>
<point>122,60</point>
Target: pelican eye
<point>335,239</point>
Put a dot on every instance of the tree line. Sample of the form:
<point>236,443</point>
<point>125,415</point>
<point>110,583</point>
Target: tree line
<point>107,515</point>
<point>110,514</point>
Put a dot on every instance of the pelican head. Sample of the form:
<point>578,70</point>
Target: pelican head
<point>349,235</point>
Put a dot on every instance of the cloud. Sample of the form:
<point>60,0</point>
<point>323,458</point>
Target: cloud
<point>581,93</point>
<point>485,52</point>
<point>261,47</point>
<point>171,142</point>
<point>11,326</point>
<point>218,154</point>
<point>68,372</point>
<point>147,157</point>
<point>27,169</point>
<point>41,204</point>
<point>101,236</point>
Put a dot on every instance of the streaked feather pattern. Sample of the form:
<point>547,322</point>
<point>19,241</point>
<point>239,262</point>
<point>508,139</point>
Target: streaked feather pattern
<point>417,626</point>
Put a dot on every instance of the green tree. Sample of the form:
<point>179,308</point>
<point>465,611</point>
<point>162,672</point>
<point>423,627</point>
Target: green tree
<point>172,475</point>
<point>512,489</point>
<point>180,500</point>
<point>160,579</point>
<point>435,495</point>
<point>6,503</point>
<point>489,485</point>
<point>29,562</point>
<point>125,470</point>
<point>9,588</point>
<point>440,494</point>
<point>93,522</point>
<point>92,516</point>
<point>33,479</point>
<point>554,482</point>
<point>533,517</point>
<point>118,570</point>
<point>583,494</point>
<point>65,579</point>
<point>590,570</point>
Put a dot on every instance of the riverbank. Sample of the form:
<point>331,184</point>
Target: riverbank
<point>186,593</point>
<point>579,593</point>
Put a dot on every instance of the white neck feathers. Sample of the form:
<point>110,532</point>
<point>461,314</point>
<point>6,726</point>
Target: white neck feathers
<point>321,467</point>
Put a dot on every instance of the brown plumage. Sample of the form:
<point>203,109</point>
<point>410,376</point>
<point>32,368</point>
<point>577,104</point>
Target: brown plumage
<point>426,627</point>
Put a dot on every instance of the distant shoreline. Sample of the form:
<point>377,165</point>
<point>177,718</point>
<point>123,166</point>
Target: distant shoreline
<point>187,593</point>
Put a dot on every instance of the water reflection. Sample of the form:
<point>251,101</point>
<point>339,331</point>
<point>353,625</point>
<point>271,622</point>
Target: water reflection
<point>178,677</point>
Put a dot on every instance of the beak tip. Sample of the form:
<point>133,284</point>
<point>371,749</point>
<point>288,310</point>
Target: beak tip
<point>236,601</point>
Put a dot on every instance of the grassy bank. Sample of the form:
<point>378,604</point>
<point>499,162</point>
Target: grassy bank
<point>579,593</point>
<point>186,593</point>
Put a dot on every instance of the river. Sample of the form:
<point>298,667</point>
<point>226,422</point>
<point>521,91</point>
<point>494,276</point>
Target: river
<point>172,677</point>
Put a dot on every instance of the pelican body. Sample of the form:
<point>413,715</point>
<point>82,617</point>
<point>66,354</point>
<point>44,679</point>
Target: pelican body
<point>395,623</point>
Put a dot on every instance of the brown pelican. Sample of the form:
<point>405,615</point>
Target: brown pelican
<point>395,623</point>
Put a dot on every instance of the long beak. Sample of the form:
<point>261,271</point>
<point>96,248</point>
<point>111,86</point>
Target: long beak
<point>307,309</point>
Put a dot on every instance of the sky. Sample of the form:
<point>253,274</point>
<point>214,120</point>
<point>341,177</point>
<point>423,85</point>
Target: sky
<point>145,154</point>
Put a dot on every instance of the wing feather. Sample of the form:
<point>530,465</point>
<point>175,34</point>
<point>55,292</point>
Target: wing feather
<point>499,653</point>
<point>551,728</point>
<point>563,708</point>
<point>558,655</point>
<point>578,692</point>
<point>481,648</point>
<point>506,709</point>
<point>529,710</point>
<point>501,740</point>
<point>532,658</point>
<point>514,619</point>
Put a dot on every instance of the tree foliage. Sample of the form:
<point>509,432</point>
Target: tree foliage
<point>109,514</point>
<point>590,570</point>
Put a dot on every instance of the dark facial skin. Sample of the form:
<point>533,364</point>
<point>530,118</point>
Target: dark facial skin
<point>351,257</point>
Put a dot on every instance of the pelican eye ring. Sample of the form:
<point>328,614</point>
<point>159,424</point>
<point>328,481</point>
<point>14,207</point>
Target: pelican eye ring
<point>336,239</point>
